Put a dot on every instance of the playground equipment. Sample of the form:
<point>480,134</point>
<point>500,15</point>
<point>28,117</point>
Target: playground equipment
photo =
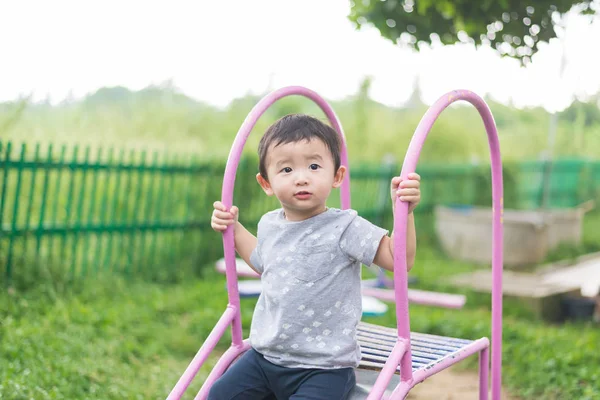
<point>388,351</point>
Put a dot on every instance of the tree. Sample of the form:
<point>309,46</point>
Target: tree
<point>514,28</point>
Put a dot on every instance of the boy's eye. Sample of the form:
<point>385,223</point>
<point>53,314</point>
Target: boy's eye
<point>287,170</point>
<point>314,167</point>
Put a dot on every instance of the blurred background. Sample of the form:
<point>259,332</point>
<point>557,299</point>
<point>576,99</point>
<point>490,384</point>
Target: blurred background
<point>116,119</point>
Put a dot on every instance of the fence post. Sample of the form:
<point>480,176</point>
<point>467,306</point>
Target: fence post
<point>15,215</point>
<point>4,185</point>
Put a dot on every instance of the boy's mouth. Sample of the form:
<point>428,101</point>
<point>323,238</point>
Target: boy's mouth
<point>302,194</point>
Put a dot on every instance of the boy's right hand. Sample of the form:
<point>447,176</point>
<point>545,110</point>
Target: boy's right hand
<point>221,218</point>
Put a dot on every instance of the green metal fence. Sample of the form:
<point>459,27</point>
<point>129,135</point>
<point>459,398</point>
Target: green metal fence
<point>68,212</point>
<point>569,182</point>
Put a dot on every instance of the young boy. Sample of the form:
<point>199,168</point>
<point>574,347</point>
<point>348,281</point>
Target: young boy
<point>303,331</point>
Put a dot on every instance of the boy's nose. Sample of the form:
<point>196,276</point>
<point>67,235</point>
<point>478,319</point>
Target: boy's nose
<point>301,180</point>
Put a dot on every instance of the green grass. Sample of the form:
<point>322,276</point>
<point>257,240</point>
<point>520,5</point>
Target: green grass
<point>111,339</point>
<point>107,340</point>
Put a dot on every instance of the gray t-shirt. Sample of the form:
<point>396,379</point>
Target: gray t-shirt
<point>310,304</point>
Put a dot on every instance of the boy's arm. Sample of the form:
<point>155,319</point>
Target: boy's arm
<point>385,253</point>
<point>409,191</point>
<point>245,243</point>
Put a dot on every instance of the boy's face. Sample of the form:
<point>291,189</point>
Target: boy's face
<point>301,176</point>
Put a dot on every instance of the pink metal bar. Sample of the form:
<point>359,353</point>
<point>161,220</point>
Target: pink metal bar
<point>203,353</point>
<point>484,368</point>
<point>401,284</point>
<point>224,362</point>
<point>446,300</point>
<point>388,370</point>
<point>229,183</point>
<point>420,375</point>
<point>400,220</point>
<point>415,296</point>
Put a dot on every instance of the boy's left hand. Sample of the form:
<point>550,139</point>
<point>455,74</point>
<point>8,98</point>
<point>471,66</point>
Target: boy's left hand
<point>408,190</point>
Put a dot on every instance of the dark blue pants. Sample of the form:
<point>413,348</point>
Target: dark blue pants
<point>253,377</point>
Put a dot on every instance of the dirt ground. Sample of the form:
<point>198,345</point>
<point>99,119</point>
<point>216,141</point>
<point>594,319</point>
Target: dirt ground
<point>451,384</point>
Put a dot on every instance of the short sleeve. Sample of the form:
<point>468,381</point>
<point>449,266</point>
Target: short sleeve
<point>361,239</point>
<point>256,259</point>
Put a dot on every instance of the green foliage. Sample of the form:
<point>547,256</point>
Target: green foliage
<point>512,27</point>
<point>585,114</point>
<point>163,119</point>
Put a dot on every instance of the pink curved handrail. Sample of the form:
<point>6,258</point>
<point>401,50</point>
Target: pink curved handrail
<point>400,221</point>
<point>229,182</point>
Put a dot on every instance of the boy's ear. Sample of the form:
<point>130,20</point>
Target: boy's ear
<point>264,184</point>
<point>339,176</point>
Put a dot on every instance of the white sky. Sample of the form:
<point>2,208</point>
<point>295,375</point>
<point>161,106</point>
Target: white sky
<point>217,50</point>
